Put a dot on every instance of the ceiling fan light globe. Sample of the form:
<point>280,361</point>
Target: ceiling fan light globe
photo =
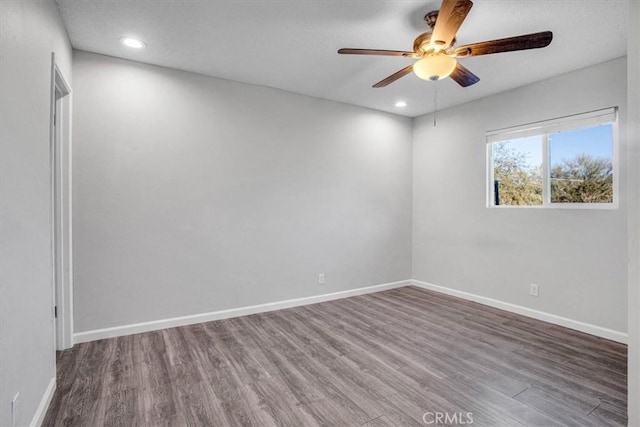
<point>434,67</point>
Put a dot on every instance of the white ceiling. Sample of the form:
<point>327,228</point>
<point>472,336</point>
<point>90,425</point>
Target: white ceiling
<point>292,44</point>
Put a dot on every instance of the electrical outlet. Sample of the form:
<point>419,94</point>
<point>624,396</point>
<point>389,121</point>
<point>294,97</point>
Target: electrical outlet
<point>321,279</point>
<point>534,289</point>
<point>14,410</point>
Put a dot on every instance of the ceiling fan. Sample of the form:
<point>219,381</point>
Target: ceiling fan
<point>435,51</point>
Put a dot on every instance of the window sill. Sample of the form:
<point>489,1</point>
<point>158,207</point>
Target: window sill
<point>562,206</point>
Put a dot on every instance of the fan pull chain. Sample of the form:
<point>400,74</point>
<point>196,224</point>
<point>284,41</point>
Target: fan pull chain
<point>435,102</point>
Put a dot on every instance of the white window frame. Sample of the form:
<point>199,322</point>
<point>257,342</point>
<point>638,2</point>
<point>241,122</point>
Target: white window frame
<point>544,128</point>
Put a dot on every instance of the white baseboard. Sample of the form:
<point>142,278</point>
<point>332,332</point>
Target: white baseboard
<point>155,325</point>
<point>38,417</point>
<point>598,331</point>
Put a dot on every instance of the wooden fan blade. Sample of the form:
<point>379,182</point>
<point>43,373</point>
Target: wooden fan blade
<point>381,52</point>
<point>463,76</point>
<point>450,16</point>
<point>395,76</point>
<point>509,44</point>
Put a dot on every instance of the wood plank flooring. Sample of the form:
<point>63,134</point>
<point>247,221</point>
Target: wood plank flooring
<point>382,359</point>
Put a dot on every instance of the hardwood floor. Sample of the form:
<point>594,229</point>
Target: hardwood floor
<point>381,359</point>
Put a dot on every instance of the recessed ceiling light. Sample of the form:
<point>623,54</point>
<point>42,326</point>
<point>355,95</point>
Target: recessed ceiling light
<point>131,42</point>
<point>401,104</point>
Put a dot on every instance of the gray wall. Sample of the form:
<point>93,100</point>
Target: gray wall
<point>633,93</point>
<point>29,32</point>
<point>194,194</point>
<point>578,257</point>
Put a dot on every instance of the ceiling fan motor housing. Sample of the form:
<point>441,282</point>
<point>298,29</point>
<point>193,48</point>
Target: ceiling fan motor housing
<point>425,38</point>
<point>422,43</point>
<point>431,17</point>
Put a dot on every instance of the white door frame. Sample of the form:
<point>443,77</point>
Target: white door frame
<point>60,208</point>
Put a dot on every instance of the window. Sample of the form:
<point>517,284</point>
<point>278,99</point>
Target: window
<point>566,162</point>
